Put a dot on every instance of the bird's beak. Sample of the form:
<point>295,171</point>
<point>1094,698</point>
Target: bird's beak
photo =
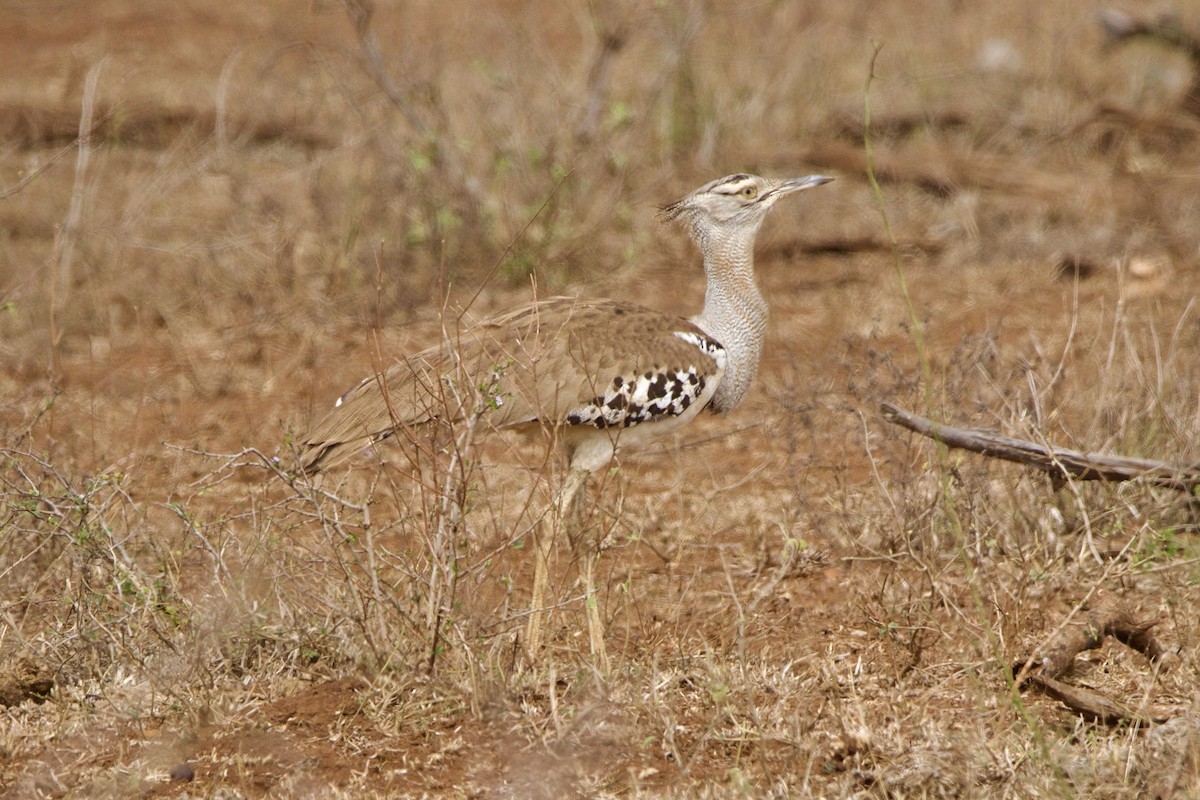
<point>796,184</point>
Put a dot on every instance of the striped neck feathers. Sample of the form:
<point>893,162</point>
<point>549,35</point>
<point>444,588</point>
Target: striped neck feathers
<point>735,312</point>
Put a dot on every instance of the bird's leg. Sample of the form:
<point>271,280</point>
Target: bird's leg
<point>591,555</point>
<point>570,517</point>
<point>590,550</point>
<point>543,549</point>
<point>560,515</point>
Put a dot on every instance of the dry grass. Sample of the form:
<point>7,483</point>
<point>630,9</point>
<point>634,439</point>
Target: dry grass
<point>802,600</point>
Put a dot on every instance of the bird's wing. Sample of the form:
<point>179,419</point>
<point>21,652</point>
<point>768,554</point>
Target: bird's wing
<point>560,361</point>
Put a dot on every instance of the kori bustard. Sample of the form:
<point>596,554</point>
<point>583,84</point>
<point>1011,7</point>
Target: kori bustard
<point>603,374</point>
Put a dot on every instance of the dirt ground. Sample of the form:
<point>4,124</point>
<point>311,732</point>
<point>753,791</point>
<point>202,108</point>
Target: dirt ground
<point>272,200</point>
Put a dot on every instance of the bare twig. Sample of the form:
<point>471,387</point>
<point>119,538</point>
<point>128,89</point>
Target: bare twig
<point>34,173</point>
<point>1057,462</point>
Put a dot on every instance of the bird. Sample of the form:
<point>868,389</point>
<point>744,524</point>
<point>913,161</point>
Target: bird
<point>602,375</point>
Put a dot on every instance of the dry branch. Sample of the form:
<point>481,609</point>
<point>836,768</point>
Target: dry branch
<point>1109,620</point>
<point>1046,666</point>
<point>1090,705</point>
<point>1059,463</point>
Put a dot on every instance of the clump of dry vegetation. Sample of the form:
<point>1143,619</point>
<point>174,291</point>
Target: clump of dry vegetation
<point>212,222</point>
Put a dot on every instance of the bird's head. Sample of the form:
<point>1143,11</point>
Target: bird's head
<point>736,200</point>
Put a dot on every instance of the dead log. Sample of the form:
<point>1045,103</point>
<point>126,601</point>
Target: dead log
<point>1044,668</point>
<point>1058,463</point>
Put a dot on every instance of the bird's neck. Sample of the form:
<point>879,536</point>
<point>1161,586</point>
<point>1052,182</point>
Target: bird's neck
<point>735,313</point>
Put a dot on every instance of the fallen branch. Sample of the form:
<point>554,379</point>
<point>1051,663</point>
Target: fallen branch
<point>1092,706</point>
<point>1059,463</point>
<point>1044,669</point>
<point>1109,620</point>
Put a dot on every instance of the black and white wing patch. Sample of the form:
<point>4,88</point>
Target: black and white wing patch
<point>658,393</point>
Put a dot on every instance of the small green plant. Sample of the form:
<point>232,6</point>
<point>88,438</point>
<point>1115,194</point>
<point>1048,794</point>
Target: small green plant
<point>1164,546</point>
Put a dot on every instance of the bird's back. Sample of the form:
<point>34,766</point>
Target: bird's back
<point>586,365</point>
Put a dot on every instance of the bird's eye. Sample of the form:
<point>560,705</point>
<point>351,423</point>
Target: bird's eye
<point>749,191</point>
